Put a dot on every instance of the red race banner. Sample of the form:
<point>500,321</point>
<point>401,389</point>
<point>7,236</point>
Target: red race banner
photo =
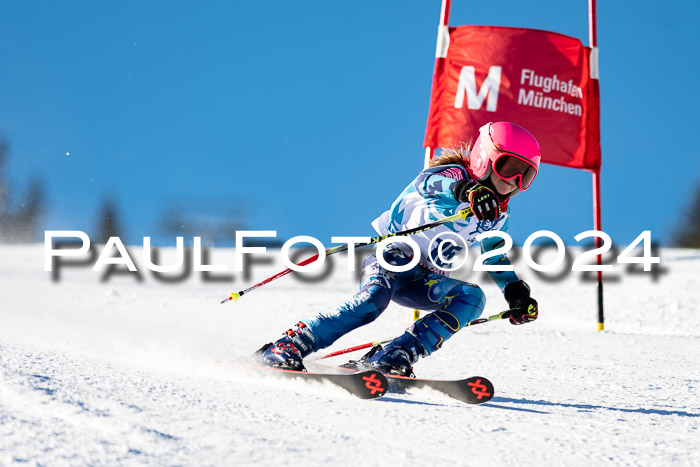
<point>538,79</point>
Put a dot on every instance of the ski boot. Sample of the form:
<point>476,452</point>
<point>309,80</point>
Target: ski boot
<point>288,352</point>
<point>396,358</point>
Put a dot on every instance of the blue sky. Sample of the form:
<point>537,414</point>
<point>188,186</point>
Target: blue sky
<point>308,117</point>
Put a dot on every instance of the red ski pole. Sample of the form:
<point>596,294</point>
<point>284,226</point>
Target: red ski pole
<point>352,349</point>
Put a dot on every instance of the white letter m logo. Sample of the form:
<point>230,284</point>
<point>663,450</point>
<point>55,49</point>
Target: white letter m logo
<point>467,84</point>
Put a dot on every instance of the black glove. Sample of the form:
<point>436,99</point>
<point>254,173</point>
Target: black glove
<point>484,202</point>
<point>523,308</point>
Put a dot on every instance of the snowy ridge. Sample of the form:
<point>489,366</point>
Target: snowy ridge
<point>129,372</point>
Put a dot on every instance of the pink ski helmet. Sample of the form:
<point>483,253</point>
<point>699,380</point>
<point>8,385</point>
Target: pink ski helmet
<point>507,149</point>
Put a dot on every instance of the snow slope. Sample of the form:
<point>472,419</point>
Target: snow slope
<point>127,372</point>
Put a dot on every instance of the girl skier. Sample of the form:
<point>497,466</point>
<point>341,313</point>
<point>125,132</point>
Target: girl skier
<point>503,161</point>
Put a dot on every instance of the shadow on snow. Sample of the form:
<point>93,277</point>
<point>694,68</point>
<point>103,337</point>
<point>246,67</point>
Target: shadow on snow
<point>509,400</point>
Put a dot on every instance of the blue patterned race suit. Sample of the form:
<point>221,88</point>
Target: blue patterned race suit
<point>453,303</point>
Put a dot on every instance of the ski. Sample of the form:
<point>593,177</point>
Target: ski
<point>472,390</point>
<point>365,384</point>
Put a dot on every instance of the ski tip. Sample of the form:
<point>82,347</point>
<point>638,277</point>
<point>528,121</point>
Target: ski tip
<point>374,384</point>
<point>480,390</point>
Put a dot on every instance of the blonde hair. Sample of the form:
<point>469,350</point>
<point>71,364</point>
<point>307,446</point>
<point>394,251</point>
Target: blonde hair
<point>455,155</point>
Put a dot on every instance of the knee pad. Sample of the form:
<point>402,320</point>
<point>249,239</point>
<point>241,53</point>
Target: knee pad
<point>435,328</point>
<point>468,304</point>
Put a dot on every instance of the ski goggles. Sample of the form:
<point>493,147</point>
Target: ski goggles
<point>510,166</point>
<point>507,164</point>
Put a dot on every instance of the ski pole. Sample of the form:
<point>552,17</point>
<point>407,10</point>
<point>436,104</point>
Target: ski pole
<point>501,315</point>
<point>357,347</point>
<point>463,214</point>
